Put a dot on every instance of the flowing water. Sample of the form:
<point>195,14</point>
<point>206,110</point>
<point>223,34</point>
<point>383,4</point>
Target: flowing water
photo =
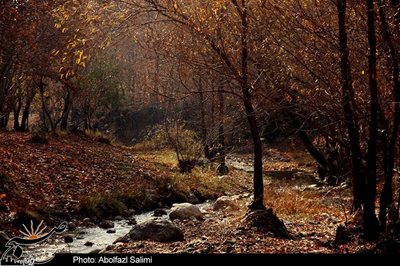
<point>98,236</point>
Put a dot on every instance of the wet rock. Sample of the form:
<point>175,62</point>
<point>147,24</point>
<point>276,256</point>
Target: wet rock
<point>191,198</point>
<point>159,213</point>
<point>198,195</point>
<point>222,169</point>
<point>225,202</point>
<point>96,251</point>
<point>68,239</point>
<point>122,239</point>
<point>71,226</point>
<point>132,221</point>
<point>184,211</point>
<point>157,230</point>
<point>86,221</point>
<point>111,231</point>
<point>119,218</point>
<point>106,224</point>
<point>89,244</point>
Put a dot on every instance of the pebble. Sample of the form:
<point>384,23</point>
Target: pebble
<point>111,231</point>
<point>89,244</point>
<point>68,239</point>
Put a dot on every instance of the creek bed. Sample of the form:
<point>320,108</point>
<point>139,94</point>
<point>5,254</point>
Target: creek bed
<point>96,235</point>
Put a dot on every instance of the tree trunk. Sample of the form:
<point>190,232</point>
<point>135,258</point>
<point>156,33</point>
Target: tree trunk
<point>369,217</point>
<point>315,153</point>
<point>46,113</point>
<point>348,109</point>
<point>4,121</point>
<point>203,125</point>
<point>27,109</point>
<point>222,168</point>
<point>386,197</point>
<point>66,111</point>
<point>258,201</point>
<point>17,111</point>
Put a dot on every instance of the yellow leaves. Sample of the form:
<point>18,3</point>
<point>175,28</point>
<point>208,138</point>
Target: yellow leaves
<point>55,52</point>
<point>57,25</point>
<point>79,55</point>
<point>67,74</point>
<point>106,43</point>
<point>80,60</point>
<point>363,72</point>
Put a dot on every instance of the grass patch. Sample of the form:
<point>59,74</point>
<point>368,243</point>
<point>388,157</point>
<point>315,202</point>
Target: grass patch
<point>119,203</point>
<point>99,136</point>
<point>103,207</point>
<point>167,186</point>
<point>290,203</point>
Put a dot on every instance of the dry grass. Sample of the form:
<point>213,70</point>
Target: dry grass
<point>203,178</point>
<point>290,203</point>
<point>99,136</point>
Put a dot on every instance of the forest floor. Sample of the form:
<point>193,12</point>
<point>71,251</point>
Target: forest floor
<point>76,176</point>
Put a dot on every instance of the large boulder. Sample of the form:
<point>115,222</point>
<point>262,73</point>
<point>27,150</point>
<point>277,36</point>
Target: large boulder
<point>266,221</point>
<point>106,224</point>
<point>157,230</point>
<point>184,211</point>
<point>226,202</point>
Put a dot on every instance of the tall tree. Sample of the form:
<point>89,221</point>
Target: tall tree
<point>348,109</point>
<point>369,218</point>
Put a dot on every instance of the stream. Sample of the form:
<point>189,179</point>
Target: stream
<point>96,235</point>
<point>101,239</point>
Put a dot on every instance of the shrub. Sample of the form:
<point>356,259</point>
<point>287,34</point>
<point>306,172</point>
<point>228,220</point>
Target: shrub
<point>173,135</point>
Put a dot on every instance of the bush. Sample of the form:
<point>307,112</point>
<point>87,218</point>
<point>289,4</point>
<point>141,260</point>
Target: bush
<point>184,142</point>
